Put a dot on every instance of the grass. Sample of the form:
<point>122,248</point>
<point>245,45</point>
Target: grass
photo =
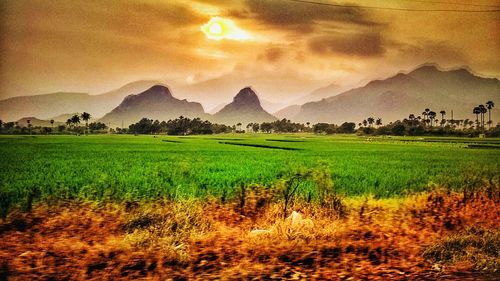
<point>478,247</point>
<point>248,206</point>
<point>377,239</point>
<point>124,167</point>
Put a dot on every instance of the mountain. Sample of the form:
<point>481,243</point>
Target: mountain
<point>270,106</point>
<point>64,117</point>
<point>217,108</point>
<point>49,105</point>
<point>289,112</point>
<point>272,84</point>
<point>155,103</point>
<point>35,122</point>
<point>318,94</point>
<point>398,96</point>
<point>245,108</point>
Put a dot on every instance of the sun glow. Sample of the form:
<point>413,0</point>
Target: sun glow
<point>219,28</point>
<point>215,29</point>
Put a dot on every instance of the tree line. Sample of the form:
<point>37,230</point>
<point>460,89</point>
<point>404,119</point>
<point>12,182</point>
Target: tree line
<point>71,126</point>
<point>425,124</point>
<point>178,126</point>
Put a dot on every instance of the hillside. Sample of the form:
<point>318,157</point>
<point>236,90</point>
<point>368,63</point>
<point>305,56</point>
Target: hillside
<point>288,112</point>
<point>318,94</point>
<point>49,105</point>
<point>398,96</point>
<point>35,122</point>
<point>245,108</point>
<point>155,103</point>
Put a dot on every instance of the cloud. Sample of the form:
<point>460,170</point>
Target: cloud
<point>302,16</point>
<point>361,45</point>
<point>271,54</point>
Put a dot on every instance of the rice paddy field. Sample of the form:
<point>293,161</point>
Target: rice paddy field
<point>121,167</point>
<point>249,207</point>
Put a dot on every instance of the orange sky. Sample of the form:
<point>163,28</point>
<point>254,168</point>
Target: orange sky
<point>289,48</point>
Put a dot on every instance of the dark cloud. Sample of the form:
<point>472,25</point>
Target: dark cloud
<point>272,54</point>
<point>303,16</point>
<point>428,50</point>
<point>431,51</point>
<point>361,44</point>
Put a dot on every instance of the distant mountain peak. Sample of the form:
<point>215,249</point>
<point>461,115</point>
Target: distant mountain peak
<point>156,92</point>
<point>159,90</point>
<point>246,97</point>
<point>430,68</point>
<point>245,108</point>
<point>156,103</point>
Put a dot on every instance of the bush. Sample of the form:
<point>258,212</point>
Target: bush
<point>478,246</point>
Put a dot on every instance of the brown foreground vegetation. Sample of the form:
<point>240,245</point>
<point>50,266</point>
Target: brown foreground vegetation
<point>429,236</point>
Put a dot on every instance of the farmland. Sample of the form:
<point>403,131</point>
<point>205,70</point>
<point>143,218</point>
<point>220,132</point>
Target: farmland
<point>123,167</point>
<point>209,207</point>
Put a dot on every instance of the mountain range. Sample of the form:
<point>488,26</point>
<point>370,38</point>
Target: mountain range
<point>398,96</point>
<point>393,98</point>
<point>47,106</point>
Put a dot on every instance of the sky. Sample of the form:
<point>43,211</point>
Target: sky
<point>206,49</point>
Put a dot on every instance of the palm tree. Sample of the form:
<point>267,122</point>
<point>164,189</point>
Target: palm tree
<point>489,105</point>
<point>443,113</point>
<point>483,111</point>
<point>477,111</point>
<point>238,127</point>
<point>29,125</point>
<point>86,117</point>
<point>52,123</point>
<point>378,122</point>
<point>431,115</point>
<point>411,117</point>
<point>365,123</point>
<point>75,119</point>
<point>424,114</point>
<point>370,120</point>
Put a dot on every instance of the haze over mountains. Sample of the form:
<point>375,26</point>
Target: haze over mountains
<point>48,106</point>
<point>398,96</point>
<point>391,99</point>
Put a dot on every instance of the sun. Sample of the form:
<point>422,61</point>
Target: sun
<point>215,29</point>
<point>218,28</point>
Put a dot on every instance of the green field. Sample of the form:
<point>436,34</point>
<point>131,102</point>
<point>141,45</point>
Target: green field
<point>120,167</point>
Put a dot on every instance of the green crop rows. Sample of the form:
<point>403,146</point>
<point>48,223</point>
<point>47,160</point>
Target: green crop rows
<point>117,167</point>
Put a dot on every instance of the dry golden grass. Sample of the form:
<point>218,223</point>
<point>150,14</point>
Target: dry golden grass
<point>165,240</point>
